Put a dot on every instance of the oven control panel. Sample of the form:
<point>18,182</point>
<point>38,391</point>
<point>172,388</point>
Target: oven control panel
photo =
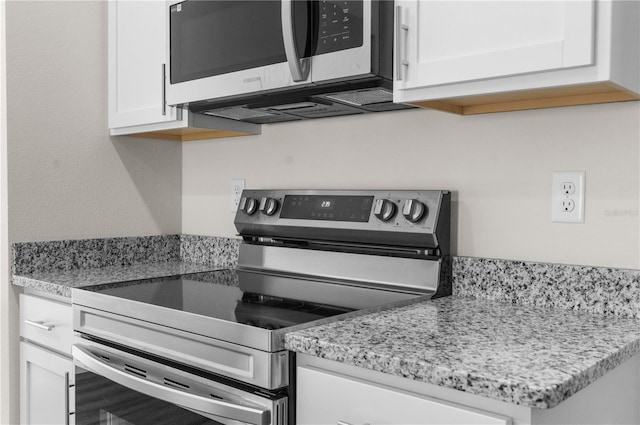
<point>396,217</point>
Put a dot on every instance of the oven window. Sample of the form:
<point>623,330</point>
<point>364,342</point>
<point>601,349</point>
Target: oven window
<point>100,401</point>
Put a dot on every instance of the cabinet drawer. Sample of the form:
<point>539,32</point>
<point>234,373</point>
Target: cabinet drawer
<point>46,322</point>
<point>327,398</point>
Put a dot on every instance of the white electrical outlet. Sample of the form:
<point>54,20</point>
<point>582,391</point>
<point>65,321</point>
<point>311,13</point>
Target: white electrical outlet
<point>567,197</point>
<point>236,193</point>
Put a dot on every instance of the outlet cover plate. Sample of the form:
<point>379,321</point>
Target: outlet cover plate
<point>561,197</point>
<point>236,187</point>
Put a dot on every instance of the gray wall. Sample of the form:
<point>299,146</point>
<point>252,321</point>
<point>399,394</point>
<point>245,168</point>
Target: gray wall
<point>498,165</point>
<point>67,179</point>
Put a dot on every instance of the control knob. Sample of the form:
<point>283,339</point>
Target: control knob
<point>413,210</point>
<point>248,205</point>
<point>384,209</point>
<point>268,206</point>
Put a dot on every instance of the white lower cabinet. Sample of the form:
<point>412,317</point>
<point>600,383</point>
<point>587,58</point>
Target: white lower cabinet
<point>324,397</point>
<point>47,393</point>
<point>329,392</point>
<point>327,398</point>
<point>46,386</point>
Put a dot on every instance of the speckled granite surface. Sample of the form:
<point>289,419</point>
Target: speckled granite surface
<point>521,332</point>
<point>29,257</point>
<point>58,266</point>
<point>527,355</point>
<point>598,290</point>
<point>209,250</point>
<point>60,282</point>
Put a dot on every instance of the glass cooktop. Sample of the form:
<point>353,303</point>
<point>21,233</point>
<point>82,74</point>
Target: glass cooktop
<point>260,300</point>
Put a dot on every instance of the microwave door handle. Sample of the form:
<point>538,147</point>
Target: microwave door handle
<point>192,402</point>
<point>299,67</point>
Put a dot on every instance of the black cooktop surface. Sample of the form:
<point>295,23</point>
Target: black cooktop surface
<point>243,297</point>
<point>263,300</point>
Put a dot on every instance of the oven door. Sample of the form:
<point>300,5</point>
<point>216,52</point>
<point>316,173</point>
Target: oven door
<point>115,387</point>
<point>228,48</point>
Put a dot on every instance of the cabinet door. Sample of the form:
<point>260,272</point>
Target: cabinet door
<point>137,53</point>
<point>441,42</point>
<point>46,387</point>
<point>324,397</point>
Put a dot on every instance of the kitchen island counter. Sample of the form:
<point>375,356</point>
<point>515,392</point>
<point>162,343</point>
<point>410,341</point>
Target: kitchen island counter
<point>526,355</point>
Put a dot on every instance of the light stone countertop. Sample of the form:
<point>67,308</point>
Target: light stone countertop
<point>60,282</point>
<point>533,333</point>
<point>527,355</point>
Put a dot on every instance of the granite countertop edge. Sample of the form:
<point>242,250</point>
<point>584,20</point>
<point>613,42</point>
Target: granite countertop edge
<point>404,365</point>
<point>316,341</point>
<point>540,398</point>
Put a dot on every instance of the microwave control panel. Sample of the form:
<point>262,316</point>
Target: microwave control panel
<point>340,25</point>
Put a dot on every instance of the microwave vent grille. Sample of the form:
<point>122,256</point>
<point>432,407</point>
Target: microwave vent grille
<point>362,97</point>
<point>239,113</point>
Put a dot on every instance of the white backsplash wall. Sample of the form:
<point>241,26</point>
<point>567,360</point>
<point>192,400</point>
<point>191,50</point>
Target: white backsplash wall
<point>499,167</point>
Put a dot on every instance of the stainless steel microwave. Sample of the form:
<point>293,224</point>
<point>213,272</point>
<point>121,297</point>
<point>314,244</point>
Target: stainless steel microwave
<point>233,49</point>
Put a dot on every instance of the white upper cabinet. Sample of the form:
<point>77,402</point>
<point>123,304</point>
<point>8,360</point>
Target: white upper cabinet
<point>137,57</point>
<point>137,61</point>
<point>486,56</point>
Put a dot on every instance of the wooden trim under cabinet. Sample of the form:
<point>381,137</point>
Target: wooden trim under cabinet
<point>532,99</point>
<point>189,134</point>
<point>191,127</point>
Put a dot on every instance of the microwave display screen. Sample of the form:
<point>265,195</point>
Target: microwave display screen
<point>329,208</point>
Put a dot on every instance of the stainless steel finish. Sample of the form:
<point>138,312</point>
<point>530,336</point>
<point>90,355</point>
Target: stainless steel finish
<point>348,252</point>
<point>354,64</point>
<point>384,209</point>
<point>214,345</point>
<point>413,210</point>
<point>195,392</point>
<point>427,233</point>
<point>269,206</point>
<point>349,64</point>
<point>402,33</point>
<point>164,89</point>
<point>266,78</point>
<point>299,67</point>
<point>248,205</point>
<point>408,274</point>
<point>39,325</point>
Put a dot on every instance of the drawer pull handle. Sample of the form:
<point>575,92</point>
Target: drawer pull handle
<point>39,325</point>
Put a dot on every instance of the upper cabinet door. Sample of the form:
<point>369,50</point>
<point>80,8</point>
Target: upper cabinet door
<point>442,42</point>
<point>137,54</point>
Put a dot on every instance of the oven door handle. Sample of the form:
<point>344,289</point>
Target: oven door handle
<point>201,405</point>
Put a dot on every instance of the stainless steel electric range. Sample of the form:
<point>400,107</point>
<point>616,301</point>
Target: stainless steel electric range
<point>209,347</point>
